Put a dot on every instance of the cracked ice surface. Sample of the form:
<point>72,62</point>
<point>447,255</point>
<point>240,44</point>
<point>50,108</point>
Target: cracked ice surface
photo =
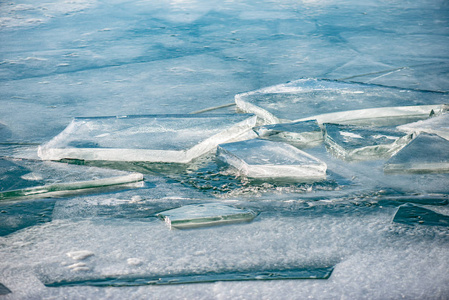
<point>62,59</point>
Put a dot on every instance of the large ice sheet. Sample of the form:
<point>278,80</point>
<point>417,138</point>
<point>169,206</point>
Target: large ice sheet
<point>153,138</point>
<point>266,159</point>
<point>427,153</point>
<point>306,98</point>
<point>33,179</point>
<point>438,125</point>
<point>207,214</point>
<point>361,143</point>
<point>299,134</point>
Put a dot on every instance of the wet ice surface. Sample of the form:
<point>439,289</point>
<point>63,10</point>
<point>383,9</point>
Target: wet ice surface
<point>83,58</point>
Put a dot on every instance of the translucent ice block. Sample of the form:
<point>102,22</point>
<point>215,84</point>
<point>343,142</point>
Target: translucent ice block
<point>363,143</point>
<point>153,138</point>
<point>266,159</point>
<point>300,134</point>
<point>427,153</point>
<point>413,214</point>
<point>324,100</point>
<point>206,214</point>
<point>33,179</point>
<point>437,125</point>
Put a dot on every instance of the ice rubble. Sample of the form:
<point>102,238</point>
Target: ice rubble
<point>351,142</point>
<point>300,134</point>
<point>339,102</point>
<point>266,159</point>
<point>23,178</point>
<point>427,153</point>
<point>413,214</point>
<point>438,125</point>
<point>151,138</point>
<point>205,214</point>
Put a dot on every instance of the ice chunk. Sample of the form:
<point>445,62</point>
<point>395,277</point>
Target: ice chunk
<point>437,125</point>
<point>351,142</point>
<point>80,254</point>
<point>4,290</point>
<point>413,214</point>
<point>206,214</point>
<point>325,101</point>
<point>266,159</point>
<point>152,138</point>
<point>299,134</point>
<point>33,179</point>
<point>237,275</point>
<point>427,153</point>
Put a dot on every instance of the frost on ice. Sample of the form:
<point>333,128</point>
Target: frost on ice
<point>351,142</point>
<point>152,138</point>
<point>266,159</point>
<point>207,214</point>
<point>427,153</point>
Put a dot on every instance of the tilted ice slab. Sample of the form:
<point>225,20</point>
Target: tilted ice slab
<point>206,214</point>
<point>438,125</point>
<point>427,153</point>
<point>413,214</point>
<point>152,138</point>
<point>32,179</point>
<point>330,101</point>
<point>266,159</point>
<point>351,142</point>
<point>300,134</point>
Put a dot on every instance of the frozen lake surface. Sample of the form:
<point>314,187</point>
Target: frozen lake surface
<point>372,228</point>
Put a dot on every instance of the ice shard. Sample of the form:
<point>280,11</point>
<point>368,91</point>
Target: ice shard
<point>206,214</point>
<point>351,142</point>
<point>33,179</point>
<point>266,159</point>
<point>413,214</point>
<point>438,125</point>
<point>152,138</point>
<point>304,98</point>
<point>427,153</point>
<point>4,290</point>
<point>299,134</point>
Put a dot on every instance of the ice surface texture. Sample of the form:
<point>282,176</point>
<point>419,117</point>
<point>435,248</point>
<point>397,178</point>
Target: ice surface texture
<point>427,153</point>
<point>31,179</point>
<point>326,101</point>
<point>204,215</point>
<point>360,143</point>
<point>152,138</point>
<point>437,125</point>
<point>266,159</point>
<point>299,134</point>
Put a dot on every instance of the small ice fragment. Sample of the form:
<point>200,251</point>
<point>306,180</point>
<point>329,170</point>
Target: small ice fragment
<point>413,214</point>
<point>304,98</point>
<point>4,290</point>
<point>135,199</point>
<point>32,176</point>
<point>299,134</point>
<point>153,138</point>
<point>266,159</point>
<point>351,142</point>
<point>80,254</point>
<point>77,265</point>
<point>437,125</point>
<point>427,153</point>
<point>134,261</point>
<point>206,214</point>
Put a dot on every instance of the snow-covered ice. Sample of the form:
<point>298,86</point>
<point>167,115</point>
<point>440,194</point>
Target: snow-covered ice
<point>266,159</point>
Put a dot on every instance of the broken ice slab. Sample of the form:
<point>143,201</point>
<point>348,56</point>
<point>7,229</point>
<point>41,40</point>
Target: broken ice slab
<point>351,142</point>
<point>266,159</point>
<point>438,125</point>
<point>427,153</point>
<point>4,290</point>
<point>135,280</point>
<point>33,179</point>
<point>413,214</point>
<point>152,138</point>
<point>207,214</point>
<point>299,134</point>
<point>326,100</point>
